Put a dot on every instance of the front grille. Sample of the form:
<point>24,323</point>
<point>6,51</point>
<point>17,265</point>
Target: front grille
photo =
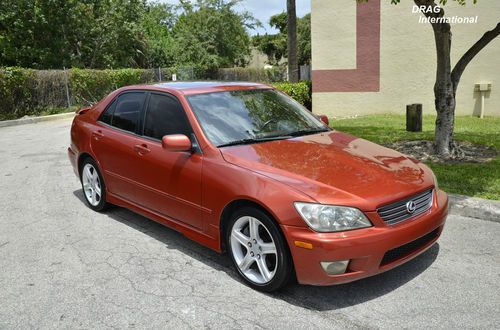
<point>398,211</point>
<point>408,248</point>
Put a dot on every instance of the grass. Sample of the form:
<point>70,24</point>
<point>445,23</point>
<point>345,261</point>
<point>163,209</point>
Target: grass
<point>472,179</point>
<point>57,110</point>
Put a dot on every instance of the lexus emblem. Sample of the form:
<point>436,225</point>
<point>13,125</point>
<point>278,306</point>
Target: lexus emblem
<point>410,207</point>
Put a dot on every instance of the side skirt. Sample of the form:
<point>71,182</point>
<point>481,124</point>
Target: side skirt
<point>190,232</point>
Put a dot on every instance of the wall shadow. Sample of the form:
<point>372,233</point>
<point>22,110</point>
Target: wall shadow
<point>310,297</point>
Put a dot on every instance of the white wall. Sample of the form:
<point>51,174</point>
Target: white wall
<point>407,57</point>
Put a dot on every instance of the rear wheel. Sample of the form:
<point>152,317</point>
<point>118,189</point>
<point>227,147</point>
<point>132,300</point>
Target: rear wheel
<point>93,186</point>
<point>258,250</point>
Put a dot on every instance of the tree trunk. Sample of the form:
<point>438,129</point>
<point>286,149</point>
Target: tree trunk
<point>293,67</point>
<point>444,96</point>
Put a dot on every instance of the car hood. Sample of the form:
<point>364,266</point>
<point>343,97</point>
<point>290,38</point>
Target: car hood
<point>335,168</point>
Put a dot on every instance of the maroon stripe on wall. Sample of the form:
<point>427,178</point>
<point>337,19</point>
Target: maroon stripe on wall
<point>366,76</point>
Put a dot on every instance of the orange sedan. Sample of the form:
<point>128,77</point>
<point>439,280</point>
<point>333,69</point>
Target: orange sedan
<point>244,169</point>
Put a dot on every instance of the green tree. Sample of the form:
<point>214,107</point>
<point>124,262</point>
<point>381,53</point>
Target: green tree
<point>211,34</point>
<point>117,39</point>
<point>447,79</point>
<point>275,45</point>
<point>157,24</point>
<point>304,39</point>
<point>56,33</point>
<point>29,33</point>
<point>52,34</point>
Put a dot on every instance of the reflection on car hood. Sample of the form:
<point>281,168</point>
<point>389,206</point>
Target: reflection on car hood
<point>335,168</point>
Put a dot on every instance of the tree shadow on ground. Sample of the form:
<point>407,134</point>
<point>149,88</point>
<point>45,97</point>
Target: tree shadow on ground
<point>310,297</point>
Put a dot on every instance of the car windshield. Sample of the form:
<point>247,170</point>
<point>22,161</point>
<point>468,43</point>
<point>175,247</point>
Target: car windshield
<point>252,116</point>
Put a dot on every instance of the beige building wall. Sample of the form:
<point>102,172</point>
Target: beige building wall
<point>407,58</point>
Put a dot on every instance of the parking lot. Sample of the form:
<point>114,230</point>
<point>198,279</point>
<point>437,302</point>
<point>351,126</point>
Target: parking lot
<point>65,266</point>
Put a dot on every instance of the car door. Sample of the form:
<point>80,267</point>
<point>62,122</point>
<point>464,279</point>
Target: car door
<point>172,180</point>
<point>115,143</point>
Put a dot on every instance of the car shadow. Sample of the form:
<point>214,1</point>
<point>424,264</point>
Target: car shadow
<point>305,296</point>
<point>354,293</point>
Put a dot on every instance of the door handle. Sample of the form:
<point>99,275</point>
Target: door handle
<point>97,135</point>
<point>141,149</point>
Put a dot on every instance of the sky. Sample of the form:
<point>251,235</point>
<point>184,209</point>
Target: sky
<point>264,9</point>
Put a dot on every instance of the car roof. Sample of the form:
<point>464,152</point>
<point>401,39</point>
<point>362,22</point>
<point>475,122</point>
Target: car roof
<point>200,87</point>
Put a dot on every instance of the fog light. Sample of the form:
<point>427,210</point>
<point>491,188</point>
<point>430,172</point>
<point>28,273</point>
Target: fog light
<point>335,267</point>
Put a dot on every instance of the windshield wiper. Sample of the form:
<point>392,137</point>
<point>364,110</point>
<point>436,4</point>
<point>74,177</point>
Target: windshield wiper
<point>309,131</point>
<point>275,137</point>
<point>254,140</point>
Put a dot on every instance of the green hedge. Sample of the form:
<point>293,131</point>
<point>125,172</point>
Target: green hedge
<point>89,86</point>
<point>15,93</point>
<point>35,92</point>
<point>301,91</point>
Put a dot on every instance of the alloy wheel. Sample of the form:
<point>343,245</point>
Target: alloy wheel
<point>254,250</point>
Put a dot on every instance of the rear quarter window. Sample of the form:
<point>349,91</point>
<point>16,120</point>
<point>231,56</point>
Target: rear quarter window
<point>107,114</point>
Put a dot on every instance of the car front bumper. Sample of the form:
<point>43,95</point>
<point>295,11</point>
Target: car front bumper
<point>370,251</point>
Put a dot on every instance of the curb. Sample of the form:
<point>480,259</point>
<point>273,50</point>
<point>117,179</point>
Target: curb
<point>477,208</point>
<point>32,120</point>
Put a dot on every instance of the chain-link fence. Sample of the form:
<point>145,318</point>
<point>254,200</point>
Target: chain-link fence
<point>28,92</point>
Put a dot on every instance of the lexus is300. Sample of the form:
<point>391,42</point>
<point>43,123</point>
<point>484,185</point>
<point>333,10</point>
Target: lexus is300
<point>244,169</point>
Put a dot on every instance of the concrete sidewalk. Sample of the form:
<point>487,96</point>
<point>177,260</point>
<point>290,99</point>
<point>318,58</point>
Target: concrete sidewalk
<point>32,120</point>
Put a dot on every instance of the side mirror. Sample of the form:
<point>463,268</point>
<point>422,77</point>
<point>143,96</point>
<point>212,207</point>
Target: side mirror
<point>176,142</point>
<point>324,118</point>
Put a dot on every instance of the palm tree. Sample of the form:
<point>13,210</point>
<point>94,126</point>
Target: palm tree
<point>293,67</point>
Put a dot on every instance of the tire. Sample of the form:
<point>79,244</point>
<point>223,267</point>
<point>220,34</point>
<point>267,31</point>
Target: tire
<point>258,250</point>
<point>93,187</point>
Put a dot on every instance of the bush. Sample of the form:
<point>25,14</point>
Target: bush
<point>89,86</point>
<point>300,92</point>
<point>33,92</point>
<point>15,93</point>
<point>49,89</point>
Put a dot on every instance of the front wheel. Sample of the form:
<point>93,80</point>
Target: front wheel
<point>258,250</point>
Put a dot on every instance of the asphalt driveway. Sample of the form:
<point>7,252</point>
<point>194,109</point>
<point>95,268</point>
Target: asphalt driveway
<point>65,266</point>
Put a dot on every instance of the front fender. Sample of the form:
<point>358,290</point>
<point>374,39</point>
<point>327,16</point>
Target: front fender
<point>224,182</point>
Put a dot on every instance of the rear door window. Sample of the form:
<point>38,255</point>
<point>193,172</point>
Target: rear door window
<point>128,109</point>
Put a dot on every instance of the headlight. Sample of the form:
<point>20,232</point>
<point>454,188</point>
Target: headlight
<point>330,218</point>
